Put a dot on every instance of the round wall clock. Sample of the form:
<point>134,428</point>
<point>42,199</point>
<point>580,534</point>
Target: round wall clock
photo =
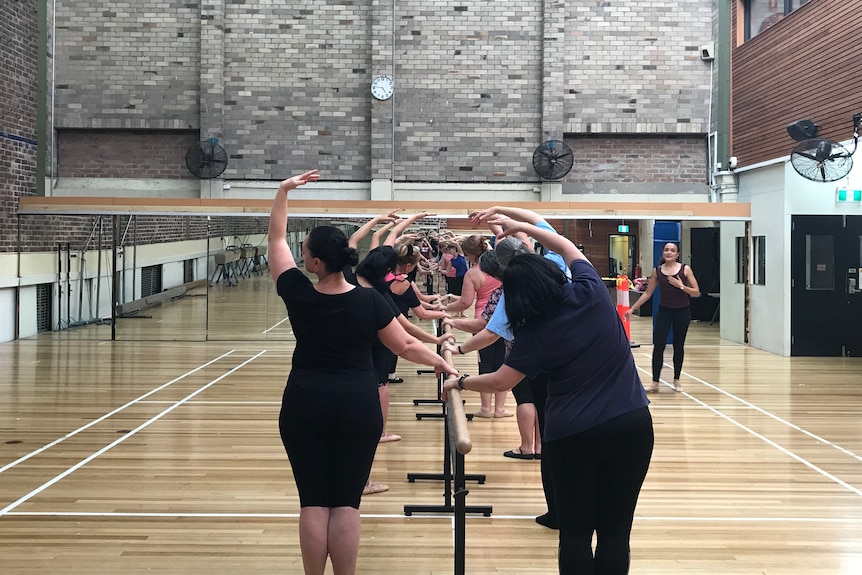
<point>382,87</point>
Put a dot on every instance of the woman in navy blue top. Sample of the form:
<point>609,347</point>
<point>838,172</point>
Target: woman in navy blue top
<point>330,420</point>
<point>598,436</point>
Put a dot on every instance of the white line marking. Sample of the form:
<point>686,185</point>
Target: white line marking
<point>124,437</point>
<point>266,331</point>
<point>777,418</point>
<point>107,415</point>
<point>765,439</point>
<point>848,520</point>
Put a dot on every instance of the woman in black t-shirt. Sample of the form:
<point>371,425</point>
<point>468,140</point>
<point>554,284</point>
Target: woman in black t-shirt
<point>330,419</point>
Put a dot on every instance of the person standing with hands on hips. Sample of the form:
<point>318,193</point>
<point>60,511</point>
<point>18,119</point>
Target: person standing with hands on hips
<point>330,421</point>
<point>677,286</point>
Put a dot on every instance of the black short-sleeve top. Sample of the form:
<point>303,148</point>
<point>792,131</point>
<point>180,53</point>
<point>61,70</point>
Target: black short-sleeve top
<point>333,332</point>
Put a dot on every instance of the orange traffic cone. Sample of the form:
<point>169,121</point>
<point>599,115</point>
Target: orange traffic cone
<point>623,303</point>
<point>623,286</point>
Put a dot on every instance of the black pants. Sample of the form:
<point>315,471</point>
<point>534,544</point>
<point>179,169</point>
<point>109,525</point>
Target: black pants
<point>597,478</point>
<point>539,391</point>
<point>666,317</point>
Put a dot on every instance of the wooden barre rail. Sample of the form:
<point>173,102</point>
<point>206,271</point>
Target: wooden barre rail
<point>457,417</point>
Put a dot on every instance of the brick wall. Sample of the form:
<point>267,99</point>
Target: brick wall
<point>17,113</point>
<point>286,87</point>
<point>648,160</point>
<point>157,154</point>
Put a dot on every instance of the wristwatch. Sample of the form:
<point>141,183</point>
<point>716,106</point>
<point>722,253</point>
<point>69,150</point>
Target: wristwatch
<point>461,381</point>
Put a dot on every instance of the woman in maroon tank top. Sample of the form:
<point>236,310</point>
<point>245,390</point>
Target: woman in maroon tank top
<point>677,286</point>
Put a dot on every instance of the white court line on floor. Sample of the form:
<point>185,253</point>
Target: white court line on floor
<point>266,331</point>
<point>109,414</point>
<point>763,438</point>
<point>153,419</point>
<point>531,518</point>
<point>777,418</point>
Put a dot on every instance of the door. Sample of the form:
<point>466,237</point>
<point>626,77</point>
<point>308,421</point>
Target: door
<point>622,250</point>
<point>826,302</point>
<point>853,285</point>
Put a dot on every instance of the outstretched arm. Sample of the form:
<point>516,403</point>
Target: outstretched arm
<point>550,239</point>
<point>278,252</point>
<point>403,225</point>
<point>375,239</point>
<point>653,282</point>
<point>520,214</point>
<point>366,228</point>
<point>403,344</point>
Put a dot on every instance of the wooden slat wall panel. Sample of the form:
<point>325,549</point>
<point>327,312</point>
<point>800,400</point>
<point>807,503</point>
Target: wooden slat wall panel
<point>805,67</point>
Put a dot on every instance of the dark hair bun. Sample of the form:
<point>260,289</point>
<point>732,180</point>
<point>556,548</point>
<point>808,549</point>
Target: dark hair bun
<point>350,255</point>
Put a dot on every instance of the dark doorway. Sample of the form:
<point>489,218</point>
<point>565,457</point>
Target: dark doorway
<point>825,299</point>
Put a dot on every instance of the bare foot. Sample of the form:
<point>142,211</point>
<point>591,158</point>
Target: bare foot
<point>373,487</point>
<point>503,413</point>
<point>389,437</point>
<point>677,386</point>
<point>653,388</point>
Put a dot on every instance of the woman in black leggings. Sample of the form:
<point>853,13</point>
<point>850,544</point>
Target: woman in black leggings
<point>678,285</point>
<point>598,437</point>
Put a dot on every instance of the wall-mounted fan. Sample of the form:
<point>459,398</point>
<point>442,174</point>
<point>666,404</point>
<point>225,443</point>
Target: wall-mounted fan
<point>206,159</point>
<point>821,160</point>
<point>553,159</point>
<point>824,160</point>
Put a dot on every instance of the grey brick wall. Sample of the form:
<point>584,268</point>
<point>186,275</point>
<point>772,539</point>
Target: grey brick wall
<point>17,113</point>
<point>285,86</point>
<point>634,66</point>
<point>127,65</point>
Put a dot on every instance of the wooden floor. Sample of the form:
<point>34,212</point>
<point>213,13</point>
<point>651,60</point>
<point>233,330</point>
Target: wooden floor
<point>163,457</point>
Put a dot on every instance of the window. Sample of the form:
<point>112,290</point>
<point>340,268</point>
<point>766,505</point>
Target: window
<point>819,263</point>
<point>741,261</point>
<point>761,14</point>
<point>759,249</point>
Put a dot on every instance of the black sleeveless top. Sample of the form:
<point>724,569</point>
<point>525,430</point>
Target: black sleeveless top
<point>670,296</point>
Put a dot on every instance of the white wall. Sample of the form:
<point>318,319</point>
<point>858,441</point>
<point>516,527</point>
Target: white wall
<point>732,324</point>
<point>770,303</point>
<point>7,314</point>
<point>776,193</point>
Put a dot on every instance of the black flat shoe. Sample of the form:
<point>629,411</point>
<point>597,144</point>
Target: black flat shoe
<point>395,380</point>
<point>548,520</point>
<point>518,455</point>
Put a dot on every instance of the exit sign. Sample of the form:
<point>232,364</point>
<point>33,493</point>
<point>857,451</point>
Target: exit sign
<point>623,229</point>
<point>845,195</point>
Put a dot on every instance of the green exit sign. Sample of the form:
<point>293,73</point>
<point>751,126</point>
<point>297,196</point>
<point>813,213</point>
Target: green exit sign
<point>623,229</point>
<point>845,195</point>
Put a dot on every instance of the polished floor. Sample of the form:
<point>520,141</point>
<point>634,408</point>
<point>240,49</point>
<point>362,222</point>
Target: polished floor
<point>145,455</point>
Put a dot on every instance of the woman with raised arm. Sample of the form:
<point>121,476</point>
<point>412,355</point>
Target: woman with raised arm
<point>598,434</point>
<point>330,420</point>
<point>677,285</point>
<point>476,289</point>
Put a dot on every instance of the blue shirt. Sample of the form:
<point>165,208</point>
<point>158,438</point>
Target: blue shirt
<point>585,353</point>
<point>499,323</point>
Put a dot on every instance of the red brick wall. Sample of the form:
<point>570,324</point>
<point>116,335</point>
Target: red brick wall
<point>124,153</point>
<point>643,160</point>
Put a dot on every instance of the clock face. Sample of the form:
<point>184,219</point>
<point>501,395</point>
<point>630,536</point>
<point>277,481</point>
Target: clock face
<point>382,87</point>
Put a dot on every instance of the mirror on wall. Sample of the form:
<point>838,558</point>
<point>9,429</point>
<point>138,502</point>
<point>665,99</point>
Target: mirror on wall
<point>622,255</point>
